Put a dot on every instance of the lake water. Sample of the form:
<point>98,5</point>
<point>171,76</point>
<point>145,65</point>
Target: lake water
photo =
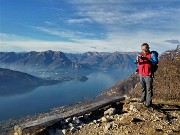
<point>44,98</point>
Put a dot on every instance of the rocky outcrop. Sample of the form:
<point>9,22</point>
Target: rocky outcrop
<point>76,112</point>
<point>127,118</point>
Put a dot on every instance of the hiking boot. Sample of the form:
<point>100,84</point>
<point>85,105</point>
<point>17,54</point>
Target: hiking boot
<point>141,101</point>
<point>148,105</point>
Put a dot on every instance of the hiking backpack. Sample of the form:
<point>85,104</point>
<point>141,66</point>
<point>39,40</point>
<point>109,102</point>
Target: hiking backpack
<point>154,65</point>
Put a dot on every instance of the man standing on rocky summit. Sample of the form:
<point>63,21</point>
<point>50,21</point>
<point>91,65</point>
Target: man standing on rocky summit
<point>145,61</point>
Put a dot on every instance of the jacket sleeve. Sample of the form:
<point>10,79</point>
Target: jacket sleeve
<point>154,59</point>
<point>135,62</point>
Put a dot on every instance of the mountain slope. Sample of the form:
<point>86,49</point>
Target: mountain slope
<point>15,82</point>
<point>119,61</point>
<point>166,82</point>
<point>48,62</point>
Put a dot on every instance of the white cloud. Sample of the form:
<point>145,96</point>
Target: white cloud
<point>72,35</point>
<point>117,16</point>
<point>40,45</point>
<point>138,17</point>
<point>96,2</point>
<point>11,42</point>
<point>118,19</point>
<point>49,23</point>
<point>55,32</point>
<point>81,20</point>
<point>116,1</point>
<point>123,14</point>
<point>9,37</point>
<point>114,42</point>
<point>102,16</point>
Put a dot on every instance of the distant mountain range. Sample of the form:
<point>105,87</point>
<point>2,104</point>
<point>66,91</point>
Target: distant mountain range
<point>106,61</point>
<point>57,61</point>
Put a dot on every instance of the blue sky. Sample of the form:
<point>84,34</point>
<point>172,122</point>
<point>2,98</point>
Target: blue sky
<point>89,25</point>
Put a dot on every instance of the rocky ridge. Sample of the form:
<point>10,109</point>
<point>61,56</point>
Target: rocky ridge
<point>59,62</point>
<point>126,118</point>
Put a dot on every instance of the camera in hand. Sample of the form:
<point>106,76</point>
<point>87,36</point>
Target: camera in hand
<point>141,57</point>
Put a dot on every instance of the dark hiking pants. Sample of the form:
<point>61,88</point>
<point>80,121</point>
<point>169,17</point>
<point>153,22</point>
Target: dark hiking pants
<point>146,89</point>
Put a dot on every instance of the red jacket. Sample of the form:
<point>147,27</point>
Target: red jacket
<point>145,66</point>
